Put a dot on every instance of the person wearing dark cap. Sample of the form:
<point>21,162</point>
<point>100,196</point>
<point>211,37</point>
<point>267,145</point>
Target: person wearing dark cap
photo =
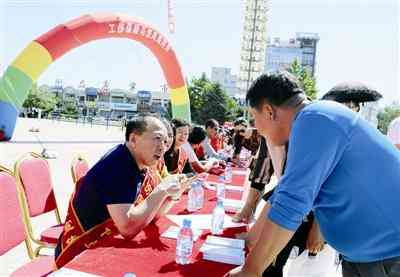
<point>329,170</point>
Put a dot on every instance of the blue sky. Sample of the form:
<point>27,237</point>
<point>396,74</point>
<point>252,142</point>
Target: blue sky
<point>359,39</point>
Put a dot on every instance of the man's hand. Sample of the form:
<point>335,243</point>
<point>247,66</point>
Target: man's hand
<point>185,182</point>
<point>170,186</point>
<point>315,240</point>
<point>245,215</point>
<point>249,238</point>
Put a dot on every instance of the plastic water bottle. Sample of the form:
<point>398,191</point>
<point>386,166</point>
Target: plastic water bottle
<point>217,221</point>
<point>191,204</point>
<point>199,195</point>
<point>228,173</point>
<point>184,243</point>
<point>220,191</point>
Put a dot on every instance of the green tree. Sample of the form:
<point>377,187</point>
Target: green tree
<point>209,100</point>
<point>70,109</point>
<point>307,82</point>
<point>40,98</point>
<point>196,90</point>
<point>168,115</point>
<point>386,116</point>
<point>215,105</point>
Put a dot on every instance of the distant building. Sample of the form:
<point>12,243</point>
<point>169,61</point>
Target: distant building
<point>143,101</point>
<point>281,54</point>
<point>112,103</point>
<point>116,103</point>
<point>159,102</point>
<point>90,103</point>
<point>224,77</point>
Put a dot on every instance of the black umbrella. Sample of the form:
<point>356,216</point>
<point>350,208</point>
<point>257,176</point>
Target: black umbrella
<point>352,92</point>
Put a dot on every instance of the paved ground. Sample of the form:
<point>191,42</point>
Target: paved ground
<point>67,140</point>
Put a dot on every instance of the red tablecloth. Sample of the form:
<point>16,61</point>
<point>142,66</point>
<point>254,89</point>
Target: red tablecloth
<point>149,255</point>
<point>237,179</point>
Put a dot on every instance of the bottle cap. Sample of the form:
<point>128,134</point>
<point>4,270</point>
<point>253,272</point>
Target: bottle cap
<point>187,223</point>
<point>195,184</point>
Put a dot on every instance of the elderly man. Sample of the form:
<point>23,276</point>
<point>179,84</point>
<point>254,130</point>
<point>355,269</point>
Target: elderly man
<point>338,166</point>
<point>120,193</point>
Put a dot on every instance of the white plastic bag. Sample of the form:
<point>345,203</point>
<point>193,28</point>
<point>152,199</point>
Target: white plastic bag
<point>322,265</point>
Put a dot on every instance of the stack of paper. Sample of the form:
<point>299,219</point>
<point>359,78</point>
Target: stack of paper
<point>224,250</point>
<point>173,231</point>
<point>226,242</point>
<point>232,205</point>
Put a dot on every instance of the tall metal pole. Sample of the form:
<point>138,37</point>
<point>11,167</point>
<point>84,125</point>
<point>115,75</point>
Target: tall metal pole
<point>251,46</point>
<point>253,43</point>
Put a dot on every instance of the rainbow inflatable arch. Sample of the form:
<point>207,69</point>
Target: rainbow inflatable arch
<point>40,53</point>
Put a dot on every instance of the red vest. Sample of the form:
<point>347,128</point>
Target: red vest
<point>75,239</point>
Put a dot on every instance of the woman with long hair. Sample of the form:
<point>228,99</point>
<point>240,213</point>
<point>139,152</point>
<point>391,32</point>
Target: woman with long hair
<point>175,158</point>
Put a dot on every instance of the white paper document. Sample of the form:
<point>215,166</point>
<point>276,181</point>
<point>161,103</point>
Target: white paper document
<point>219,250</point>
<point>226,242</point>
<point>224,250</point>
<point>225,260</point>
<point>173,231</point>
<point>203,221</point>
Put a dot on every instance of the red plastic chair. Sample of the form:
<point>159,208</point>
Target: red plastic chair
<point>79,168</point>
<point>36,197</point>
<point>12,230</point>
